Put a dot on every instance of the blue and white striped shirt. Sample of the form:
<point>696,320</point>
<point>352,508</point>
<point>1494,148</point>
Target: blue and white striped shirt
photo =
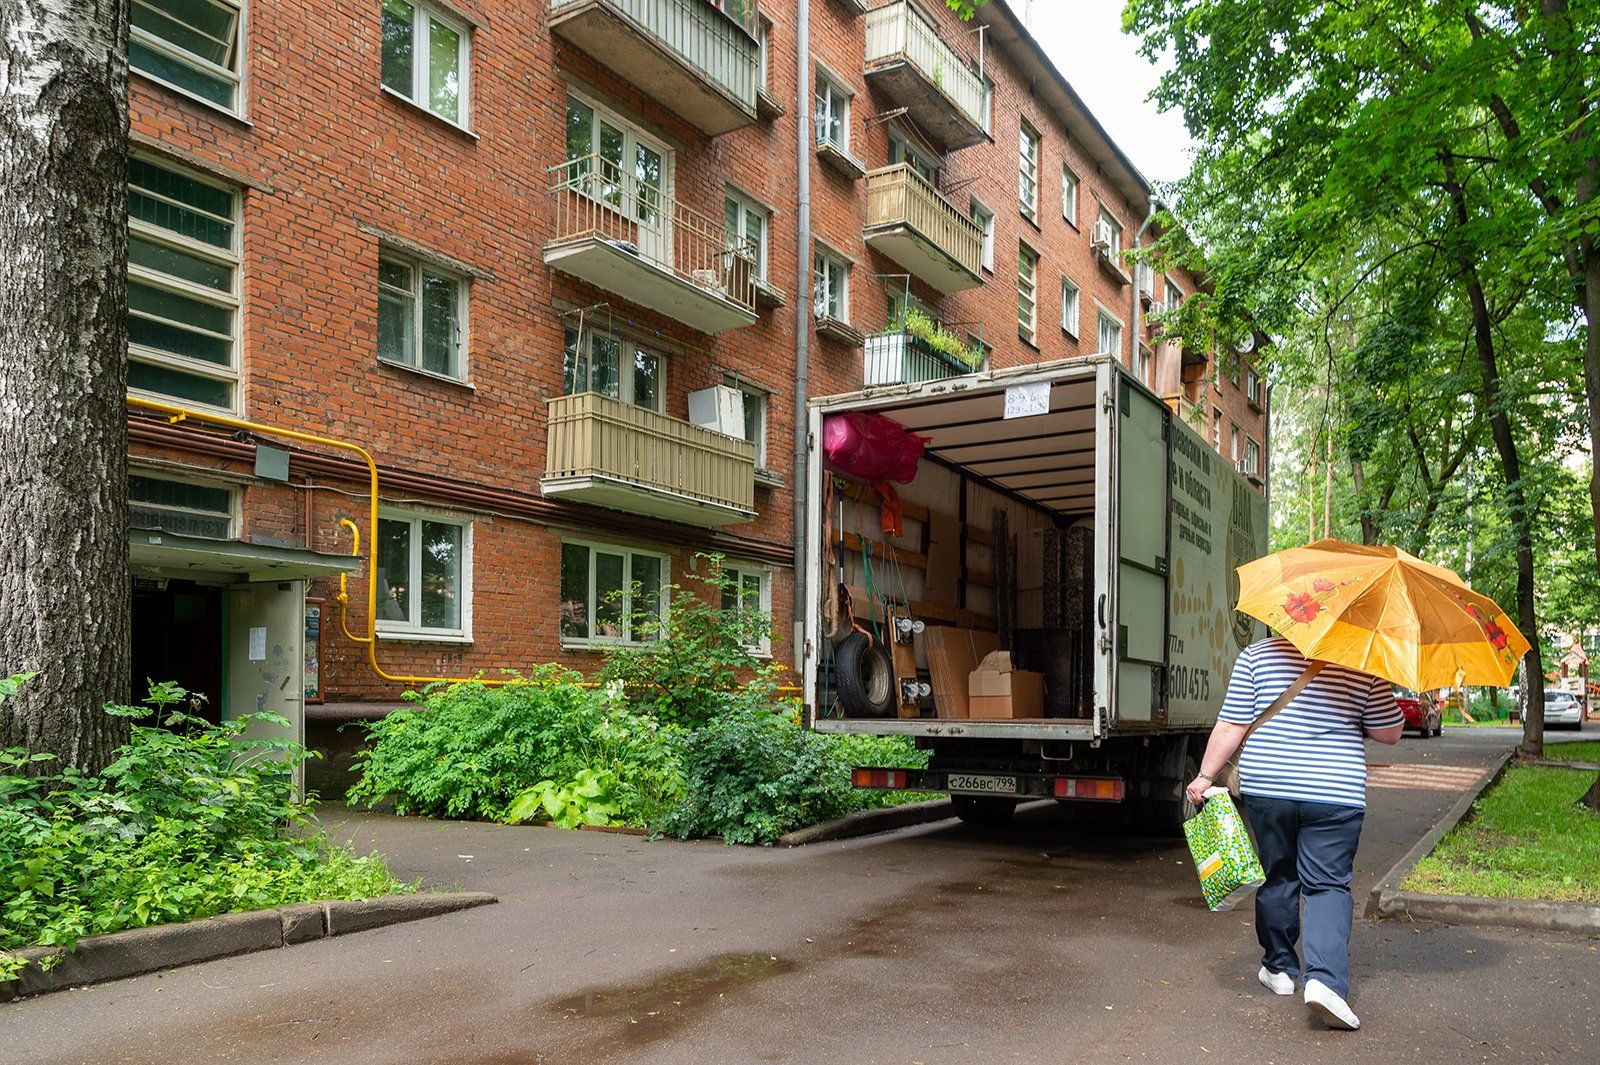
<point>1312,750</point>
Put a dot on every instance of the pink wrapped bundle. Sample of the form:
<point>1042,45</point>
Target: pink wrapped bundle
<point>870,447</point>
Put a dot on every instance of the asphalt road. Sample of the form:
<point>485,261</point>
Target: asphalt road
<point>1060,938</point>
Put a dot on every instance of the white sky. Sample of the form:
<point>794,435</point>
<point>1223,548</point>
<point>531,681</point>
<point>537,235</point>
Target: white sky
<point>1084,39</point>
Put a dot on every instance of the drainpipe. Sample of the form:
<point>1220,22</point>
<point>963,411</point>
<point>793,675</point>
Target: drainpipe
<point>803,312</point>
<point>1138,242</point>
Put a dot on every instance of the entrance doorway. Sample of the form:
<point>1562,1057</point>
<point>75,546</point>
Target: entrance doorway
<point>178,636</point>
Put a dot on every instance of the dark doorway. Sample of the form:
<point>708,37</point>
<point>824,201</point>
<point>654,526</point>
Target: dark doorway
<point>177,636</point>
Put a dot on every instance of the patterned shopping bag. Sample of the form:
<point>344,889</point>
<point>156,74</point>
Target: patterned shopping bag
<point>1223,854</point>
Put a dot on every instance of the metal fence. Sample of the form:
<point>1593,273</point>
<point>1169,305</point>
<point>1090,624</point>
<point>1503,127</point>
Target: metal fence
<point>898,358</point>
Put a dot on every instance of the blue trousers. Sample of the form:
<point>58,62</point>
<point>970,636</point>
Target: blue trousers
<point>1308,850</point>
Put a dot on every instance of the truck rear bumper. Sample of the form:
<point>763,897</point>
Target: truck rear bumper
<point>999,784</point>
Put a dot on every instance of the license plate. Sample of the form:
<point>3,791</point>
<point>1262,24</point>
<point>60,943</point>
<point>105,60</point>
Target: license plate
<point>981,782</point>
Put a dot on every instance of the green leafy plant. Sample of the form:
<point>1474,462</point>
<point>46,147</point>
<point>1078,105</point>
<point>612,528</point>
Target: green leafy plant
<point>588,799</point>
<point>916,323</point>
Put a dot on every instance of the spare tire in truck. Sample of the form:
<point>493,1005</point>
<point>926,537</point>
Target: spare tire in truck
<point>865,676</point>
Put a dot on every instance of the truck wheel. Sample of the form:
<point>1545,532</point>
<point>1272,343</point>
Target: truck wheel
<point>983,809</point>
<point>1165,817</point>
<point>865,676</point>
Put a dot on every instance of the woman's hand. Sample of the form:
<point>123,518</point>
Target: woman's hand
<point>1197,790</point>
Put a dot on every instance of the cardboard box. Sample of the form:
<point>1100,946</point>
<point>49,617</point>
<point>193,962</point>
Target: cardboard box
<point>997,690</point>
<point>952,654</point>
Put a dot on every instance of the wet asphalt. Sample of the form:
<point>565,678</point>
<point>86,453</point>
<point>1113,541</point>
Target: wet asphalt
<point>1060,938</point>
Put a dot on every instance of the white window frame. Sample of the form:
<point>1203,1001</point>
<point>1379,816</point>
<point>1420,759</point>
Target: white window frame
<point>420,266</point>
<point>1069,195</point>
<point>833,267</point>
<point>1233,444</point>
<point>1116,232</point>
<point>749,205</point>
<point>1144,361</point>
<point>414,630</point>
<point>988,105</point>
<point>628,554</point>
<point>833,95</point>
<point>1252,456</point>
<point>1028,170</point>
<point>627,350</point>
<point>762,648</point>
<point>233,300</point>
<point>1071,306</point>
<point>158,474</point>
<point>763,399</point>
<point>1102,317</point>
<point>234,75</point>
<point>1252,385</point>
<point>763,53</point>
<point>985,219</point>
<point>1027,289</point>
<point>633,137</point>
<point>1175,296</point>
<point>421,29</point>
<point>1216,429</point>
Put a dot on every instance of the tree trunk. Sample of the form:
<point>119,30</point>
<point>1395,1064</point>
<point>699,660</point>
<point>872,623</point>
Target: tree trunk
<point>1591,798</point>
<point>64,599</point>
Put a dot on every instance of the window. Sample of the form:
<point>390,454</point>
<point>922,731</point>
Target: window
<point>985,219</point>
<point>988,106</point>
<point>1216,428</point>
<point>1252,386</point>
<point>1144,362</point>
<point>832,113</point>
<point>181,508</point>
<point>755,419</point>
<point>425,58</point>
<point>594,361</point>
<point>194,46</point>
<point>1069,195</point>
<point>978,344</point>
<point>1028,172</point>
<point>750,591</point>
<point>183,283</point>
<point>1252,456</point>
<point>631,165</point>
<point>1174,296</point>
<point>763,53</point>
<point>1110,334</point>
<point>1114,229</point>
<point>611,594</point>
<point>1069,307</point>
<point>420,313</point>
<point>747,221</point>
<point>902,150</point>
<point>831,287</point>
<point>423,568</point>
<point>1233,443</point>
<point>1027,308</point>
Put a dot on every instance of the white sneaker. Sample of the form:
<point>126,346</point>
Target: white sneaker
<point>1333,1010</point>
<point>1277,983</point>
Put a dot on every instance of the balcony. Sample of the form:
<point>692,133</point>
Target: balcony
<point>628,237</point>
<point>897,358</point>
<point>913,224</point>
<point>609,453</point>
<point>920,72</point>
<point>1186,409</point>
<point>695,57</point>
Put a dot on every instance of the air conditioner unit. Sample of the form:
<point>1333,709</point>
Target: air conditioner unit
<point>719,408</point>
<point>1146,280</point>
<point>1100,235</point>
<point>1242,465</point>
<point>1157,307</point>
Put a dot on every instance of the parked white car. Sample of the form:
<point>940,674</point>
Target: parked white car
<point>1563,708</point>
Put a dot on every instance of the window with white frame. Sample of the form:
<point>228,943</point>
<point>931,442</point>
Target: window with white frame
<point>746,220</point>
<point>1252,386</point>
<point>1252,456</point>
<point>1027,292</point>
<point>832,113</point>
<point>1216,428</point>
<point>988,106</point>
<point>985,219</point>
<point>1174,296</point>
<point>978,344</point>
<point>1028,171</point>
<point>631,163</point>
<point>195,46</point>
<point>902,149</point>
<point>1109,336</point>
<point>421,316</point>
<point>749,591</point>
<point>182,508</point>
<point>763,53</point>
<point>426,58</point>
<point>1145,362</point>
<point>611,594</point>
<point>830,286</point>
<point>183,286</point>
<point>755,418</point>
<point>1070,298</point>
<point>1114,227</point>
<point>596,361</point>
<point>1069,195</point>
<point>424,574</point>
<point>1233,443</point>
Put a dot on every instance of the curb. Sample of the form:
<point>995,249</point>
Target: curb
<point>115,955</point>
<point>1555,763</point>
<point>1387,900</point>
<point>867,822</point>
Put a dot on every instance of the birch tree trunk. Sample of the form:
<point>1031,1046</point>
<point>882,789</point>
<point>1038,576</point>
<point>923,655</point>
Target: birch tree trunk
<point>64,599</point>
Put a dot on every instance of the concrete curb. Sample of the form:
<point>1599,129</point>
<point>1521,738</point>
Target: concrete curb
<point>95,959</point>
<point>1387,900</point>
<point>867,822</point>
<point>1555,763</point>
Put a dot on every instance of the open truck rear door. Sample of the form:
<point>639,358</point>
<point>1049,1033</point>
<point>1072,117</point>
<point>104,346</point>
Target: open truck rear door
<point>1141,532</point>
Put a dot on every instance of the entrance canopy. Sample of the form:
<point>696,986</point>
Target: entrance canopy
<point>164,554</point>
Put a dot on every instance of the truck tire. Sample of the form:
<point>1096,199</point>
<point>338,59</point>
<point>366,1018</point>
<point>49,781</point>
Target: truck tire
<point>865,676</point>
<point>1165,817</point>
<point>983,809</point>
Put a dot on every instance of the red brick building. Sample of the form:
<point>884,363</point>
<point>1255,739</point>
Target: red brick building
<point>555,266</point>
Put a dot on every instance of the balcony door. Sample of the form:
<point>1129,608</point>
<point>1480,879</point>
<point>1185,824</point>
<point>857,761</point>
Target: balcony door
<point>635,173</point>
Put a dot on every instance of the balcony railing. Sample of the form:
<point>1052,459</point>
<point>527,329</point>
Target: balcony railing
<point>599,202</point>
<point>611,453</point>
<point>898,358</point>
<point>900,200</point>
<point>899,33</point>
<point>715,39</point>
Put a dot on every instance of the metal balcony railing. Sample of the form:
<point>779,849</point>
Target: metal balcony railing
<point>716,37</point>
<point>898,30</point>
<point>595,199</point>
<point>898,195</point>
<point>593,435</point>
<point>898,358</point>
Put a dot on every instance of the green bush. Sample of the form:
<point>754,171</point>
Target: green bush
<point>189,820</point>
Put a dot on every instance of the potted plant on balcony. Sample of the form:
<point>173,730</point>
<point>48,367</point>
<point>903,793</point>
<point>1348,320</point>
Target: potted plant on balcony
<point>914,332</point>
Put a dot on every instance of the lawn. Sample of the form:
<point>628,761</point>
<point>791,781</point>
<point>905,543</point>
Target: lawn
<point>1526,838</point>
<point>1582,751</point>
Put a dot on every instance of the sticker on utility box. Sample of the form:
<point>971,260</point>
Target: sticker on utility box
<point>1028,399</point>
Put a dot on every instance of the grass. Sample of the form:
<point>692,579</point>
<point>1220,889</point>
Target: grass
<point>1582,751</point>
<point>1526,838</point>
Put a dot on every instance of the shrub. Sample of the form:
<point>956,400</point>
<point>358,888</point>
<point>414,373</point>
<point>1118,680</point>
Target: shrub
<point>189,820</point>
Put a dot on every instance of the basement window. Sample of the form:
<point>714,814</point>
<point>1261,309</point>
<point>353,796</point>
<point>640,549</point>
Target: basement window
<point>193,46</point>
<point>182,508</point>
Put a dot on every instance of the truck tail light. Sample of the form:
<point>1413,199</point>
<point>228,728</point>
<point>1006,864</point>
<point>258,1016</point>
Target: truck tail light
<point>880,779</point>
<point>1103,789</point>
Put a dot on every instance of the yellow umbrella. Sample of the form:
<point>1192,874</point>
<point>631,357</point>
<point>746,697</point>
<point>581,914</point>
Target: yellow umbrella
<point>1384,612</point>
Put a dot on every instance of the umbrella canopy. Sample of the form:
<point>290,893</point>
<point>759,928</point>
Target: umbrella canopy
<point>1384,612</point>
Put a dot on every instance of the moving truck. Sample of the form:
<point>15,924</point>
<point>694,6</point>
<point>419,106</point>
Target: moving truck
<point>1053,617</point>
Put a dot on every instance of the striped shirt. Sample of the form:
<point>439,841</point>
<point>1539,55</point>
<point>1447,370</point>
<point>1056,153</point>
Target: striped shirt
<point>1312,750</point>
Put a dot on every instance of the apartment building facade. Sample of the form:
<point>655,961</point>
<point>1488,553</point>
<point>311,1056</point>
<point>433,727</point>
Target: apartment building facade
<point>554,267</point>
